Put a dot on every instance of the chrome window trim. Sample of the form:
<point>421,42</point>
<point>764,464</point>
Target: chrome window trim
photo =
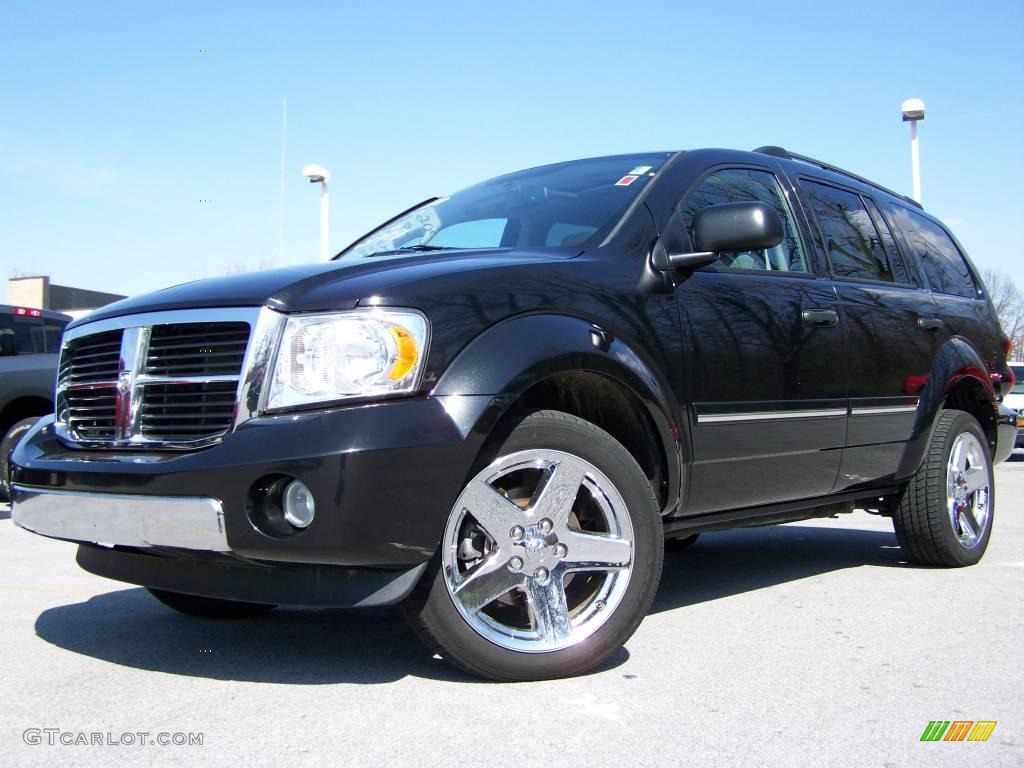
<point>264,324</point>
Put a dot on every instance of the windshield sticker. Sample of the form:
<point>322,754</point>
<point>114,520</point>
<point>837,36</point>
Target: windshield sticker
<point>640,170</point>
<point>626,180</point>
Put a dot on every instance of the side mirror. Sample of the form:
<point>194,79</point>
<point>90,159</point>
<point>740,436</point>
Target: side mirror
<point>680,262</point>
<point>744,226</point>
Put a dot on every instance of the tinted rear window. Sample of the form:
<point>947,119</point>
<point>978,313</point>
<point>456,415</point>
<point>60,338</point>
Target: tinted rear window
<point>26,335</point>
<point>943,264</point>
<point>899,270</point>
<point>853,243</point>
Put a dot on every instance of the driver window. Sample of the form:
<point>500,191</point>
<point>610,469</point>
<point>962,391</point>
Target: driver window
<point>743,184</point>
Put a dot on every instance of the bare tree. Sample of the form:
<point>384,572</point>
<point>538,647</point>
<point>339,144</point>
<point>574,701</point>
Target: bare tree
<point>1009,303</point>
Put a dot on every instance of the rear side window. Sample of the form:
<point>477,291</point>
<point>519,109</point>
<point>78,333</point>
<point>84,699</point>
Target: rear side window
<point>853,243</point>
<point>943,264</point>
<point>899,269</point>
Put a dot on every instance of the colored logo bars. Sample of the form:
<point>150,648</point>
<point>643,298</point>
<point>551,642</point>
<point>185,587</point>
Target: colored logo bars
<point>958,730</point>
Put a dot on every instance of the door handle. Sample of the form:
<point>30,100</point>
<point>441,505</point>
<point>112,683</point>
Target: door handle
<point>820,318</point>
<point>929,323</point>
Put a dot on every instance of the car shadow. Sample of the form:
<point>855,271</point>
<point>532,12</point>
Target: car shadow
<point>292,646</point>
<point>371,646</point>
<point>728,563</point>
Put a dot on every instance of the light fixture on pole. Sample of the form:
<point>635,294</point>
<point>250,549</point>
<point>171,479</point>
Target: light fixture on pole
<point>319,174</point>
<point>913,110</point>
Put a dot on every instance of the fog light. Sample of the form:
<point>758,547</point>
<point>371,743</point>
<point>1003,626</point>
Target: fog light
<point>299,506</point>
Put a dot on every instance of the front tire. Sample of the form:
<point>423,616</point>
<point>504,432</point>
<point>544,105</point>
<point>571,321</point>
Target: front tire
<point>550,558</point>
<point>945,513</point>
<point>208,607</point>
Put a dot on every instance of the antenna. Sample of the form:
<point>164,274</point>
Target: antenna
<point>280,204</point>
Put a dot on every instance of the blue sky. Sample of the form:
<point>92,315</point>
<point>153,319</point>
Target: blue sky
<point>114,125</point>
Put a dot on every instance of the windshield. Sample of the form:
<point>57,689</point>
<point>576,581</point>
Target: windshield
<point>1018,374</point>
<point>565,205</point>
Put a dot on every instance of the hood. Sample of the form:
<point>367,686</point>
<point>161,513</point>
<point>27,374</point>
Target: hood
<point>331,286</point>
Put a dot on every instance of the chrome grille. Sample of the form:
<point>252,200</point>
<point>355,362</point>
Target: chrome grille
<point>92,358</point>
<point>186,411</point>
<point>162,380</point>
<point>197,349</point>
<point>91,412</point>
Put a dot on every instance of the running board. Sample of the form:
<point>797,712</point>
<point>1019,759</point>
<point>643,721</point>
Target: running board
<point>772,514</point>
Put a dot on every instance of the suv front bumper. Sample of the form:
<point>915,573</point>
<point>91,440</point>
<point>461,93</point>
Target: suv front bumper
<point>384,477</point>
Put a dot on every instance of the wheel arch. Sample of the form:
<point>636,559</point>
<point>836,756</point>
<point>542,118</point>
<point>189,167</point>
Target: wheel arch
<point>958,379</point>
<point>566,363</point>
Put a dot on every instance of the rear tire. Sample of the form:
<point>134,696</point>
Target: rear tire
<point>208,607</point>
<point>945,514</point>
<point>550,558</point>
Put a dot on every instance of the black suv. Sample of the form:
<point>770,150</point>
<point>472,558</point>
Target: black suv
<point>29,343</point>
<point>497,405</point>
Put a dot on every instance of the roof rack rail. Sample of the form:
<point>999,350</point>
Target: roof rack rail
<point>787,155</point>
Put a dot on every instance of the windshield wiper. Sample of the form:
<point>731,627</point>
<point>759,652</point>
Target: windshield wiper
<point>425,247</point>
<point>417,247</point>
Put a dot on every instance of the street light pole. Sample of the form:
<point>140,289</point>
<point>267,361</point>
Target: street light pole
<point>915,161</point>
<point>913,110</point>
<point>319,175</point>
<point>323,212</point>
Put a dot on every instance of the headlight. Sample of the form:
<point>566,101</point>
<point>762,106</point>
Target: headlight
<point>360,353</point>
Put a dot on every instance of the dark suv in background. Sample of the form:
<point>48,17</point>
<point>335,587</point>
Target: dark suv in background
<point>29,343</point>
<point>496,406</point>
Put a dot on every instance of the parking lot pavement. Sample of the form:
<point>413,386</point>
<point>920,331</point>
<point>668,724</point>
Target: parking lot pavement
<point>806,644</point>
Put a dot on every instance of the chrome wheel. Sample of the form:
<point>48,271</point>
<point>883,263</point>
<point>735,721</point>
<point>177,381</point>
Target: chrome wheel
<point>538,551</point>
<point>967,489</point>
